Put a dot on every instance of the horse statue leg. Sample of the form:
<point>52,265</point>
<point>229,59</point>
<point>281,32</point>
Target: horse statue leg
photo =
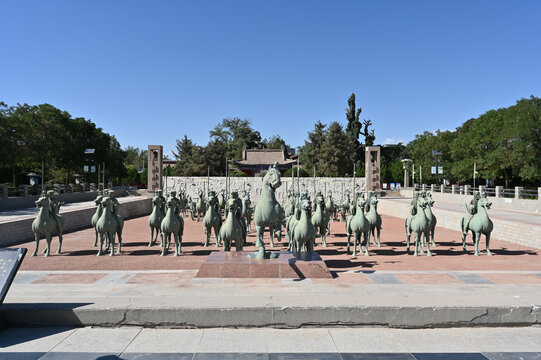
<point>477,237</point>
<point>37,235</point>
<point>165,242</point>
<point>487,238</point>
<point>427,241</point>
<point>49,238</point>
<point>417,235</point>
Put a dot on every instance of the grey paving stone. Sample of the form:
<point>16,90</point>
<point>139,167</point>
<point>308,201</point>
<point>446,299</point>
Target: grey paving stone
<point>154,356</point>
<point>449,356</point>
<point>15,340</point>
<point>27,278</point>
<point>305,356</point>
<point>383,278</point>
<point>377,356</point>
<point>513,356</point>
<point>78,356</point>
<point>230,356</point>
<point>88,340</point>
<point>471,278</point>
<point>21,355</point>
<point>205,281</point>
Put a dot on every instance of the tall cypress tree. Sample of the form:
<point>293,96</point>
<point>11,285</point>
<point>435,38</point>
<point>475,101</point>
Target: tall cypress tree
<point>353,129</point>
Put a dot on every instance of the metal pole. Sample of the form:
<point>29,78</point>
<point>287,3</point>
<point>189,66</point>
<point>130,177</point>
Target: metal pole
<point>474,171</point>
<point>353,190</point>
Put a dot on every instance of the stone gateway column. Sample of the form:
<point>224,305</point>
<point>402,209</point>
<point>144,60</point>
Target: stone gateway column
<point>155,167</point>
<point>372,160</point>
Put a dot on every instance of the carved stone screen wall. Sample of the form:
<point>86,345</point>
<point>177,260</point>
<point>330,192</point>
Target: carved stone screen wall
<point>253,185</point>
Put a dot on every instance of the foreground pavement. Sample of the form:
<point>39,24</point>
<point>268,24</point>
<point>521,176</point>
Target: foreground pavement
<point>402,299</point>
<point>274,344</point>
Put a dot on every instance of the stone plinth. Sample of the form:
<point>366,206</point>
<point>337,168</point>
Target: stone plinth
<point>286,265</point>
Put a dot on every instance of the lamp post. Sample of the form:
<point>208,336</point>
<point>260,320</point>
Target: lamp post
<point>437,155</point>
<point>405,165</point>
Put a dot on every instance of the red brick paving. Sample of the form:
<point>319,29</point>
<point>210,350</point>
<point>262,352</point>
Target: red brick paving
<point>78,254</point>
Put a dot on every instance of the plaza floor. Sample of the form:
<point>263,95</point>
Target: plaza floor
<point>272,344</point>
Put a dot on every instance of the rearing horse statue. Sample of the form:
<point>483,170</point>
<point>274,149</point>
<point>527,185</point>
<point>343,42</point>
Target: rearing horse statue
<point>268,211</point>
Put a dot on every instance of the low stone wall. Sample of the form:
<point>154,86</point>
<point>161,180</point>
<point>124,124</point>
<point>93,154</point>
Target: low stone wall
<point>20,230</point>
<point>524,205</point>
<point>518,233</point>
<point>253,185</point>
<point>25,202</point>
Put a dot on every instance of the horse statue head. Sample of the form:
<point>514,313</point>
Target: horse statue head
<point>484,202</point>
<point>98,199</point>
<point>272,178</point>
<point>43,202</point>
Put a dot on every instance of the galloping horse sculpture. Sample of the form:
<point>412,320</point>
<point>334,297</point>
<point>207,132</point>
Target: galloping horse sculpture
<point>200,206</point>
<point>45,224</point>
<point>479,224</point>
<point>108,225</point>
<point>358,226</point>
<point>213,219</point>
<point>97,216</point>
<point>420,226</point>
<point>268,211</point>
<point>303,233</point>
<point>320,219</point>
<point>374,219</point>
<point>247,211</point>
<point>156,217</point>
<point>231,229</point>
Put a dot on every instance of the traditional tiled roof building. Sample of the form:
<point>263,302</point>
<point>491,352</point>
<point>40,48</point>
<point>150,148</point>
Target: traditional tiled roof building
<point>255,161</point>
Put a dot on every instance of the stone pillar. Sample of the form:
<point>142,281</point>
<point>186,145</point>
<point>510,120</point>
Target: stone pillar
<point>539,193</point>
<point>3,191</point>
<point>466,189</point>
<point>23,190</point>
<point>93,187</point>
<point>481,189</point>
<point>499,191</point>
<point>423,187</point>
<point>372,168</point>
<point>155,167</point>
<point>442,188</point>
<point>518,192</point>
<point>453,189</point>
<point>432,188</point>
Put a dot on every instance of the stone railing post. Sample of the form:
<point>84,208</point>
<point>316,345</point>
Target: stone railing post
<point>453,189</point>
<point>466,189</point>
<point>442,188</point>
<point>23,190</point>
<point>518,192</point>
<point>481,189</point>
<point>539,193</point>
<point>423,187</point>
<point>92,187</point>
<point>499,191</point>
<point>3,191</point>
<point>432,188</point>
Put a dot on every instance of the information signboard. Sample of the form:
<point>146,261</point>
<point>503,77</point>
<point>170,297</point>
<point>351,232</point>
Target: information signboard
<point>10,260</point>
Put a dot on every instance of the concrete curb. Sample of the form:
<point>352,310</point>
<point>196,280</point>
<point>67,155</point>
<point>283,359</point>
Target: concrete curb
<point>24,315</point>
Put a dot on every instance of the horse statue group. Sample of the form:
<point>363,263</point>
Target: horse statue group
<point>107,222</point>
<point>166,220</point>
<point>363,223</point>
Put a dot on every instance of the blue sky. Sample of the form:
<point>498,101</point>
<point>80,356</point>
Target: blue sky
<point>150,72</point>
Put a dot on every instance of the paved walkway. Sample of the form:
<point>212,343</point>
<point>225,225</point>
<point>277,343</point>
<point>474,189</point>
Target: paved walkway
<point>273,344</point>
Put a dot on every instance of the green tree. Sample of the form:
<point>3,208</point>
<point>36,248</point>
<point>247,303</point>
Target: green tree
<point>334,159</point>
<point>310,155</point>
<point>236,133</point>
<point>274,142</point>
<point>353,129</point>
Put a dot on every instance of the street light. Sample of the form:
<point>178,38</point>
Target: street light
<point>405,164</point>
<point>437,155</point>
